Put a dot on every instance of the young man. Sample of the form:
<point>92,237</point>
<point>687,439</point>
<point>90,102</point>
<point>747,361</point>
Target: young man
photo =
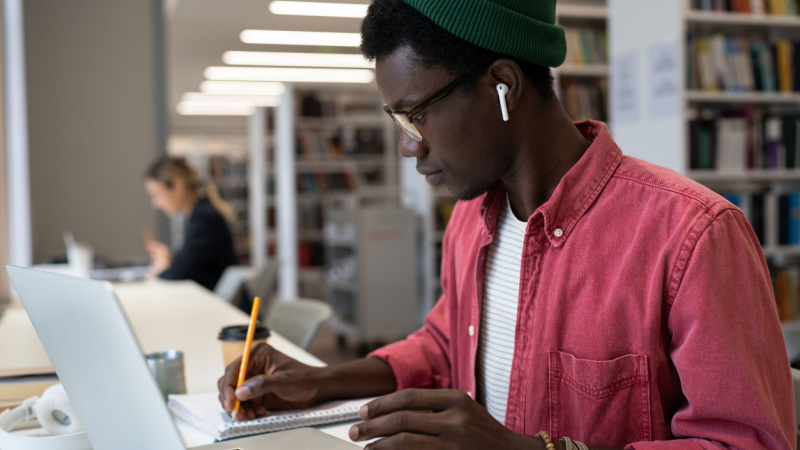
<point>585,293</point>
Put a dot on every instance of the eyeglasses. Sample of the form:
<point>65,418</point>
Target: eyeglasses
<point>405,119</point>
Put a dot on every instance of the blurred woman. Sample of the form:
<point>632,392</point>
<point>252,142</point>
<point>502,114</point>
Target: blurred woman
<point>207,250</point>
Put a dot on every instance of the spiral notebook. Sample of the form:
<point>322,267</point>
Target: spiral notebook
<point>204,413</point>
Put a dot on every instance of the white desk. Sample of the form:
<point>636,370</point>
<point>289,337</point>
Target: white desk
<point>163,315</point>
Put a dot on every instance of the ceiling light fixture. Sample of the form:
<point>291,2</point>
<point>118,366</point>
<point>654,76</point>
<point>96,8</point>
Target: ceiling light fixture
<point>254,100</point>
<point>290,75</point>
<point>318,9</point>
<point>296,59</point>
<point>300,38</point>
<point>214,109</point>
<point>242,87</point>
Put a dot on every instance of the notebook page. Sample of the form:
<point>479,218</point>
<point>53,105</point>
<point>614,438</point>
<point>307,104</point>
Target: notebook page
<point>204,412</point>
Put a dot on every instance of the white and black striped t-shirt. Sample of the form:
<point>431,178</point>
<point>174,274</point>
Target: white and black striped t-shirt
<point>499,313</point>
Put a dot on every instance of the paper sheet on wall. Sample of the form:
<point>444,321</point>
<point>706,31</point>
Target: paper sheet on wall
<point>664,79</point>
<point>625,88</point>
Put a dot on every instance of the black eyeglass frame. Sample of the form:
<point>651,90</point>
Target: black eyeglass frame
<point>438,95</point>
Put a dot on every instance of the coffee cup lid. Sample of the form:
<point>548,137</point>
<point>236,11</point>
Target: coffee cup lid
<point>239,333</point>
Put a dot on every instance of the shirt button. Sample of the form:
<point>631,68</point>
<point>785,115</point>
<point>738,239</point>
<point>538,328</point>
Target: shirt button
<point>558,232</point>
<point>471,330</point>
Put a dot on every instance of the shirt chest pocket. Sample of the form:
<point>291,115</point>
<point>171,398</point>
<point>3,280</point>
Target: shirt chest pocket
<point>604,403</point>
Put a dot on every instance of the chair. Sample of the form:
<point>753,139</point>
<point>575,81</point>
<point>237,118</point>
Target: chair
<point>262,284</point>
<point>232,281</point>
<point>298,320</point>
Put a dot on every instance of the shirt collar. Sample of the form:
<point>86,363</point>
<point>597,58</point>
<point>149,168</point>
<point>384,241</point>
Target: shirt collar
<point>576,191</point>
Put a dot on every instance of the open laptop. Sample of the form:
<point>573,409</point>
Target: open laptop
<point>91,345</point>
<point>81,262</point>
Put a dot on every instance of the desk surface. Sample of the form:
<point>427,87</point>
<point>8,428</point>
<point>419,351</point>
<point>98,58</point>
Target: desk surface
<point>163,314</point>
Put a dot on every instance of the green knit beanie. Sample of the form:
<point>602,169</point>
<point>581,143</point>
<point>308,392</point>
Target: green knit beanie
<point>523,29</point>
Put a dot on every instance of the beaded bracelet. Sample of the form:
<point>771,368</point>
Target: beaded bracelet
<point>548,443</point>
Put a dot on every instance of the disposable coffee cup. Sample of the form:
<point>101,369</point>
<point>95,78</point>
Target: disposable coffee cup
<point>167,369</point>
<point>234,337</point>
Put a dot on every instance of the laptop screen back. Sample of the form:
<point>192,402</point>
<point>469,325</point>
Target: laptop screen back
<point>97,358</point>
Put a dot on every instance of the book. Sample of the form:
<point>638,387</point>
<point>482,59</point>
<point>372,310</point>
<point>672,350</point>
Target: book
<point>204,413</point>
<point>732,143</point>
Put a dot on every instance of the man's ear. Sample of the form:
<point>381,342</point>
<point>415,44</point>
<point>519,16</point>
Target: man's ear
<point>506,71</point>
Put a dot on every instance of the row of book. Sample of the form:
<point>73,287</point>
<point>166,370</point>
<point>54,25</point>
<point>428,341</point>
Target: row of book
<point>586,46</point>
<point>748,139</point>
<point>585,100</point>
<point>738,64</point>
<point>775,7</point>
<point>442,211</point>
<point>310,254</point>
<point>319,182</point>
<point>753,204</point>
<point>321,104</point>
<point>786,286</point>
<point>327,144</point>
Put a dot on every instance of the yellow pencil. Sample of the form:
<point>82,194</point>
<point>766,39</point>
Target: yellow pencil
<point>251,329</point>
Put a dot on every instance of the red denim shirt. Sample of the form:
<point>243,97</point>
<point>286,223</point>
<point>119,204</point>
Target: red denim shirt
<point>646,315</point>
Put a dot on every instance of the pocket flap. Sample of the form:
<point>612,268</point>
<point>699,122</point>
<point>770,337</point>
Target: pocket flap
<point>598,378</point>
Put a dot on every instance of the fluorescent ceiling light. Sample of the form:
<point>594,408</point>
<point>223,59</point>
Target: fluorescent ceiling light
<point>300,38</point>
<point>214,109</point>
<point>296,59</point>
<point>318,9</point>
<point>242,88</point>
<point>292,75</point>
<point>254,100</point>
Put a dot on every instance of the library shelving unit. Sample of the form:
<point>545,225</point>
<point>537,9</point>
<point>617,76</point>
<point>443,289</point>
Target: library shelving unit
<point>582,81</point>
<point>370,267</point>
<point>327,143</point>
<point>727,113</point>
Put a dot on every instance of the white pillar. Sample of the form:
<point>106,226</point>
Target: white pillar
<point>257,198</point>
<point>286,199</point>
<point>17,173</point>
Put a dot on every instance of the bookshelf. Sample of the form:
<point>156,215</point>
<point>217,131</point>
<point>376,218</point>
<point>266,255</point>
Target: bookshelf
<point>370,267</point>
<point>328,143</point>
<point>582,81</point>
<point>736,113</point>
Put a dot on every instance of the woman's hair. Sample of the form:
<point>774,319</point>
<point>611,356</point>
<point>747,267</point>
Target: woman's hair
<point>165,170</point>
<point>391,24</point>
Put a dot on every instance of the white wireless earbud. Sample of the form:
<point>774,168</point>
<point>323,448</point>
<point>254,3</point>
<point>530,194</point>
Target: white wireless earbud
<point>502,91</point>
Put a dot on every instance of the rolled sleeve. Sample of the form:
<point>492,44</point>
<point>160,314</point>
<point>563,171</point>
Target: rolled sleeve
<point>421,360</point>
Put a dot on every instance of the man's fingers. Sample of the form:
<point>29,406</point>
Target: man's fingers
<point>228,399</point>
<point>413,400</point>
<point>396,423</point>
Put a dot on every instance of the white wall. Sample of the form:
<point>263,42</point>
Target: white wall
<point>636,28</point>
<point>96,120</point>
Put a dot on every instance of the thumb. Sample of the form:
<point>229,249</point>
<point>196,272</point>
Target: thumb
<point>256,386</point>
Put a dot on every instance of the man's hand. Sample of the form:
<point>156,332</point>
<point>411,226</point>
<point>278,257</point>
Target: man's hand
<point>434,419</point>
<point>275,381</point>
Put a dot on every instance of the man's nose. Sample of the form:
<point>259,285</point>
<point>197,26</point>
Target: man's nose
<point>407,147</point>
